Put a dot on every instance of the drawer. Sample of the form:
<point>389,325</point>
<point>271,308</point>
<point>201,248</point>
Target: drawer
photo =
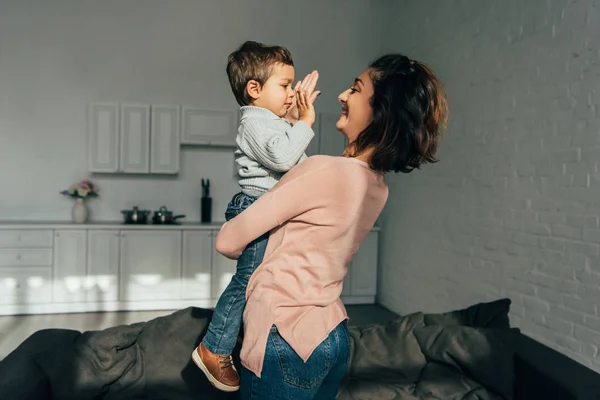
<point>26,257</point>
<point>11,238</point>
<point>31,285</point>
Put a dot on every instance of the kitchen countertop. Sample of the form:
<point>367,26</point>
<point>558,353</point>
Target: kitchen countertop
<point>189,225</point>
<point>104,225</point>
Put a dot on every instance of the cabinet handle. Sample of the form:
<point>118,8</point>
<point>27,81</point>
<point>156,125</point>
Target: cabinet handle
<point>58,235</point>
<point>19,238</point>
<point>18,256</point>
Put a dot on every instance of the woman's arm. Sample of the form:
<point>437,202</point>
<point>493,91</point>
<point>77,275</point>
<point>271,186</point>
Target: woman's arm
<point>303,188</point>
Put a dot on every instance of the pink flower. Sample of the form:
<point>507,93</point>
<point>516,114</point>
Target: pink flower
<point>83,189</point>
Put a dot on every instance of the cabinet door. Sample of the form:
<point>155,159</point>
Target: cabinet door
<point>331,141</point>
<point>208,127</point>
<point>150,265</point>
<point>25,285</point>
<point>164,140</point>
<point>135,139</point>
<point>363,268</point>
<point>196,263</point>
<point>69,266</point>
<point>103,137</point>
<point>102,281</point>
<point>222,270</point>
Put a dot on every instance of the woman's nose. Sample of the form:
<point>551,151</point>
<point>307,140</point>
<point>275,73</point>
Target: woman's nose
<point>343,96</point>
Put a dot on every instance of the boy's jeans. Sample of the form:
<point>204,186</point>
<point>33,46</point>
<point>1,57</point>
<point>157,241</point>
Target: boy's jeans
<point>223,330</point>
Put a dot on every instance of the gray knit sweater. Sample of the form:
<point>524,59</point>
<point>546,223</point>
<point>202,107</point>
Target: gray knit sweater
<point>267,147</point>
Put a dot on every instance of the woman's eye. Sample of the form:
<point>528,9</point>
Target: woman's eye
<point>352,90</point>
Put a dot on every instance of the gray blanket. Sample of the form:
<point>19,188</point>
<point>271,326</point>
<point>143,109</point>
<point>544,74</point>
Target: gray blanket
<point>466,354</point>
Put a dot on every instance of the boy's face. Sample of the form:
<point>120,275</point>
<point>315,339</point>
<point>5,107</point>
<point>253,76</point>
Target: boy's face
<point>277,94</point>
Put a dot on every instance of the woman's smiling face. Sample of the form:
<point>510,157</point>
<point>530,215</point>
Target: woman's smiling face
<point>357,112</point>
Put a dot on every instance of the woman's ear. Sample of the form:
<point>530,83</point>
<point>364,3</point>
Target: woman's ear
<point>253,88</point>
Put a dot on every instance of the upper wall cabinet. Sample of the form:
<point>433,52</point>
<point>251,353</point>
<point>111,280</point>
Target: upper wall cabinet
<point>205,127</point>
<point>103,128</point>
<point>133,138</point>
<point>164,140</point>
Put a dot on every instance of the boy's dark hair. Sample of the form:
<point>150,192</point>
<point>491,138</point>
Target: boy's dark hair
<point>409,115</point>
<point>253,61</point>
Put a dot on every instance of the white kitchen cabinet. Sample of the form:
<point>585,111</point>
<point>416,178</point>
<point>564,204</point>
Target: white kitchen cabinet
<point>222,270</point>
<point>25,257</point>
<point>135,139</point>
<point>130,139</point>
<point>102,267</point>
<point>150,265</point>
<point>207,127</point>
<point>196,265</point>
<point>69,266</point>
<point>25,238</point>
<point>102,278</point>
<point>25,285</point>
<point>103,133</point>
<point>164,140</point>
<point>363,268</point>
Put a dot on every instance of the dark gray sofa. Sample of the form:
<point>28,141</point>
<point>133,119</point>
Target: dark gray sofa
<point>464,354</point>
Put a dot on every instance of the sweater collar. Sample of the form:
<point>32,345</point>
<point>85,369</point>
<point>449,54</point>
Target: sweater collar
<point>253,111</point>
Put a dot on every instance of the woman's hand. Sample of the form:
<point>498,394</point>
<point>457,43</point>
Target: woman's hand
<point>308,86</point>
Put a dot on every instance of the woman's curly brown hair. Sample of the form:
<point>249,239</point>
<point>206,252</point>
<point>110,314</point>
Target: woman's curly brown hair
<point>409,115</point>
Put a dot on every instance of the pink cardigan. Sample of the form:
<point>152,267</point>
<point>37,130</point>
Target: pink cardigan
<point>318,215</point>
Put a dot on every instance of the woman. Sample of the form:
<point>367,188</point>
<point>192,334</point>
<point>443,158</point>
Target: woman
<point>296,343</point>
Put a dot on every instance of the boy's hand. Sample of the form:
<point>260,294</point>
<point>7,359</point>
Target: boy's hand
<point>306,109</point>
<point>308,85</point>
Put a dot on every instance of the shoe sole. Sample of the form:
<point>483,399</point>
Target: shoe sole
<point>225,388</point>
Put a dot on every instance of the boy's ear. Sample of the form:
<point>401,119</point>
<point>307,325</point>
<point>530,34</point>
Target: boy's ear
<point>253,88</point>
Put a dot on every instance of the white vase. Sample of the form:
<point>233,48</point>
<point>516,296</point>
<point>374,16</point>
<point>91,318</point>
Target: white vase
<point>80,211</point>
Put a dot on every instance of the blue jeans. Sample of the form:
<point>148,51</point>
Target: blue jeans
<point>223,330</point>
<point>286,376</point>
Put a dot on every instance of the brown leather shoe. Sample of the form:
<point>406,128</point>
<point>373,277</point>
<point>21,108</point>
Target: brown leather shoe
<point>219,370</point>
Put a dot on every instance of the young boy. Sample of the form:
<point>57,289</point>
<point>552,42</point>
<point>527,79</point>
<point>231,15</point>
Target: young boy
<point>274,133</point>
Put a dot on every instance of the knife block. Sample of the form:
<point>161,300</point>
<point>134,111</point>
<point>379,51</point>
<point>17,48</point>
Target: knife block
<point>205,209</point>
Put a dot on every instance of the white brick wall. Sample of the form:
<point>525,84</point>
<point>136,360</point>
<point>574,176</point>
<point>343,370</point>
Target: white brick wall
<point>513,207</point>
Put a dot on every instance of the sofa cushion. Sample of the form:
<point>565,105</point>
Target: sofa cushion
<point>450,354</point>
<point>483,355</point>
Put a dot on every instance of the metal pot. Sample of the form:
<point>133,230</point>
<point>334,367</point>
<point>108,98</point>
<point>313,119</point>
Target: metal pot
<point>135,216</point>
<point>164,216</point>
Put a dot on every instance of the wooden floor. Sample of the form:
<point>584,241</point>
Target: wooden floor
<point>15,329</point>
